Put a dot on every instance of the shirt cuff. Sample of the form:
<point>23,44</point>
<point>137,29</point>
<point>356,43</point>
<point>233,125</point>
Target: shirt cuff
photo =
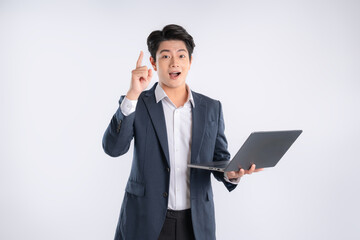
<point>128,106</point>
<point>233,181</point>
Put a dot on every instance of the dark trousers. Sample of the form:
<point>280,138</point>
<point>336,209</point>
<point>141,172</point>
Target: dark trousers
<point>177,226</point>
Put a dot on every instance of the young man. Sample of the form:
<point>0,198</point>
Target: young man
<point>171,127</point>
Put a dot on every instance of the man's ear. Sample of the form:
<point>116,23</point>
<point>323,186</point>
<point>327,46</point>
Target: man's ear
<point>153,63</point>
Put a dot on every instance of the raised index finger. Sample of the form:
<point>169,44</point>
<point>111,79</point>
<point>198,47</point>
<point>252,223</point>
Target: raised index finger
<point>139,61</point>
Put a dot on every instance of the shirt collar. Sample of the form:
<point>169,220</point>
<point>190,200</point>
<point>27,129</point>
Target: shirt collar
<point>160,94</point>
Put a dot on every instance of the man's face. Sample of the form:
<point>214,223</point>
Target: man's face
<point>172,63</point>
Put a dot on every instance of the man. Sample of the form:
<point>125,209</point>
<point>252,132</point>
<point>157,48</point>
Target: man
<point>171,126</point>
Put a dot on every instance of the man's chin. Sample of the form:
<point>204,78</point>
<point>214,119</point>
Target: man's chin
<point>172,84</point>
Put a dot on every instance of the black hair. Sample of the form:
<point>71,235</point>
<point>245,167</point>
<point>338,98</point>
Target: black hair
<point>169,32</point>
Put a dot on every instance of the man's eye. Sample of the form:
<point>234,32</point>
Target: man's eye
<point>165,56</point>
<point>182,56</point>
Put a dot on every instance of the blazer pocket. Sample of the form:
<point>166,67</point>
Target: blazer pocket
<point>135,188</point>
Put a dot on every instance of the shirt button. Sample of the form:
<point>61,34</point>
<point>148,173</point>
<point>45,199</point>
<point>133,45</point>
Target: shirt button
<point>165,194</point>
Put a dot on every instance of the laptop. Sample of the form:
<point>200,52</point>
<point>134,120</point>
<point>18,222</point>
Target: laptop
<point>264,149</point>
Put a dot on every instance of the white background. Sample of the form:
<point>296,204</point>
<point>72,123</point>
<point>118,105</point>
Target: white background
<point>274,65</point>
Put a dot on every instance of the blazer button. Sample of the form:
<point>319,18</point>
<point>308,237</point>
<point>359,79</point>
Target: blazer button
<point>168,169</point>
<point>165,194</point>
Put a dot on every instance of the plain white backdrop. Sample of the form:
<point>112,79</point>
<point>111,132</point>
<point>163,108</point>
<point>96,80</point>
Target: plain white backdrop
<point>274,65</point>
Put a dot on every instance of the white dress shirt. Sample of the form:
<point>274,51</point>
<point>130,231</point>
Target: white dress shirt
<point>179,133</point>
<point>178,128</point>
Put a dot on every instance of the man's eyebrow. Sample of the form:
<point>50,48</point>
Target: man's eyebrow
<point>166,50</point>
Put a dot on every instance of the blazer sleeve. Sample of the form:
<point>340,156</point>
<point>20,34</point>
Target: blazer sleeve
<point>118,135</point>
<point>221,152</point>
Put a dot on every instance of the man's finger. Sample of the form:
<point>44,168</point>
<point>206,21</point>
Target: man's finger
<point>139,61</point>
<point>230,174</point>
<point>258,170</point>
<point>252,169</point>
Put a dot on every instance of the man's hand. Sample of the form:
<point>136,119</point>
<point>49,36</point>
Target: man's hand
<point>140,79</point>
<point>242,172</point>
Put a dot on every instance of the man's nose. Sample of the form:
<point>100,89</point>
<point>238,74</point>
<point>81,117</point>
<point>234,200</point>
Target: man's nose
<point>174,62</point>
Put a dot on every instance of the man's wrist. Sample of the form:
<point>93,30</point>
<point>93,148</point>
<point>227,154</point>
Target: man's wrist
<point>132,95</point>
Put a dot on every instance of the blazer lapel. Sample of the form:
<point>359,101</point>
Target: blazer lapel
<point>156,113</point>
<point>198,126</point>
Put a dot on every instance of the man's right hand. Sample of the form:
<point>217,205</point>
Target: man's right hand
<point>140,79</point>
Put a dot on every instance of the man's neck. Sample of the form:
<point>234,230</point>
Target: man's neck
<point>178,95</point>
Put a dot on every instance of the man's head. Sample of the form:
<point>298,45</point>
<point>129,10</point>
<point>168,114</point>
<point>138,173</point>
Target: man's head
<point>169,32</point>
<point>171,57</point>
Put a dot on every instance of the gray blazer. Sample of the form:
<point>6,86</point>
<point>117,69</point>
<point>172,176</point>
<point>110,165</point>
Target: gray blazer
<point>146,195</point>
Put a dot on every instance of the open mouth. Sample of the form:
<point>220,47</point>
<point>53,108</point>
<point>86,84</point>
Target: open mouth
<point>174,74</point>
